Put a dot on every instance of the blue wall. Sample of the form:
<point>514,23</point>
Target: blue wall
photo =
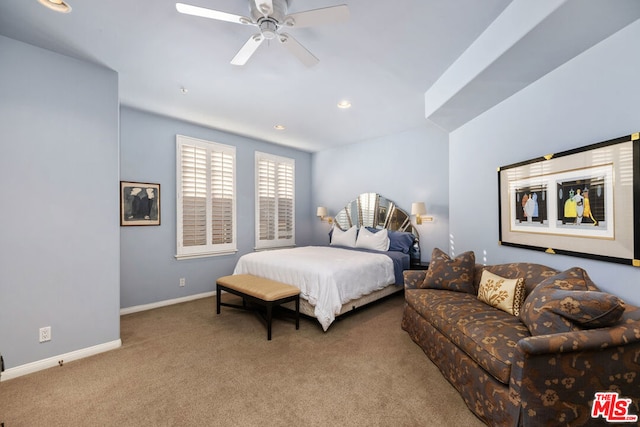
<point>589,99</point>
<point>58,223</point>
<point>149,271</point>
<point>407,167</point>
<point>67,263</point>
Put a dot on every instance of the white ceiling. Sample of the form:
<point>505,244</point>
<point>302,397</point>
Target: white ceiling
<point>466,55</point>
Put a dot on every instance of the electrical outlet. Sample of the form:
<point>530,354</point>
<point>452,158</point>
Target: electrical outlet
<point>183,282</point>
<point>45,334</point>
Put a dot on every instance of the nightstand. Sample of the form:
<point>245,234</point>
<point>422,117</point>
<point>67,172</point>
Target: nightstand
<point>420,265</point>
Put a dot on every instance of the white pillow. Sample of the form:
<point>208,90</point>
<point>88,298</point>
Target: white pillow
<point>377,241</point>
<point>344,238</point>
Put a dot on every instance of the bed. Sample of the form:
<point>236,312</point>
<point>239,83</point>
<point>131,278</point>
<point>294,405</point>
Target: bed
<point>371,243</point>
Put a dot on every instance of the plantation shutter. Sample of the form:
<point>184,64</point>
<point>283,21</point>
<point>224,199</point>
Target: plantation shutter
<point>285,200</point>
<point>275,201</point>
<point>194,195</point>
<point>206,218</point>
<point>266,199</point>
<point>222,198</point>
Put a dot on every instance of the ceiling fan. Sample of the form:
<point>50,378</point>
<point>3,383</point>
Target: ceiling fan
<point>270,16</point>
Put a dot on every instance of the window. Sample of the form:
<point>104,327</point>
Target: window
<point>275,201</point>
<point>206,198</point>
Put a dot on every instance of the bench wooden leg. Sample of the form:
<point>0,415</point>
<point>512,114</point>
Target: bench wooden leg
<point>218,294</point>
<point>298,313</point>
<point>269,318</point>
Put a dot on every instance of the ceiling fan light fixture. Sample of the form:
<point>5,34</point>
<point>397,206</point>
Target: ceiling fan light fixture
<point>269,29</point>
<point>57,5</point>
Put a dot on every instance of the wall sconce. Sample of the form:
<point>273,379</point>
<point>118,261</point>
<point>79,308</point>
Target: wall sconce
<point>419,210</point>
<point>322,213</point>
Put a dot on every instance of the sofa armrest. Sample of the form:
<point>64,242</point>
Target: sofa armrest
<point>412,278</point>
<point>585,340</point>
<point>555,377</point>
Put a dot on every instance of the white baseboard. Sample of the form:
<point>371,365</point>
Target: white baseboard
<point>51,362</point>
<point>90,351</point>
<point>164,303</point>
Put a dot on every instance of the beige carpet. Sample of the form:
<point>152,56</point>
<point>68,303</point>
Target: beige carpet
<point>183,365</point>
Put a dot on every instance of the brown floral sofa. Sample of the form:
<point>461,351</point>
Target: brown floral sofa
<point>539,366</point>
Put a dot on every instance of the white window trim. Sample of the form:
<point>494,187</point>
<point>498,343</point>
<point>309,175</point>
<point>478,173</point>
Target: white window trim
<point>276,243</point>
<point>208,249</point>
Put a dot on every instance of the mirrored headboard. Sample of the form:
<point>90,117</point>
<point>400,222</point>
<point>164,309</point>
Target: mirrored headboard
<point>373,210</point>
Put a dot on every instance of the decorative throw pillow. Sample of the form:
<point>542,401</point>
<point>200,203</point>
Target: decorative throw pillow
<point>400,241</point>
<point>344,238</point>
<point>498,292</point>
<point>589,309</point>
<point>450,274</point>
<point>377,241</point>
<point>569,301</point>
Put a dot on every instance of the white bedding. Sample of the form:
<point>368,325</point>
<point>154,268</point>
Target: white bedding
<point>327,276</point>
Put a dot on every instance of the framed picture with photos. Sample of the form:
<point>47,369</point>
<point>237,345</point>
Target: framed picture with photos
<point>583,202</point>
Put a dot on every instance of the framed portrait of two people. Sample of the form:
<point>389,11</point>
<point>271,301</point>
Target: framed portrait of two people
<point>139,203</point>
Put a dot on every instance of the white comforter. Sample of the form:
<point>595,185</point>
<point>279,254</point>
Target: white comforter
<point>327,276</point>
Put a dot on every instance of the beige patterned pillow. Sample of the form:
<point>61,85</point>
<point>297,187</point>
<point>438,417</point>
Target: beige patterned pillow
<point>498,292</point>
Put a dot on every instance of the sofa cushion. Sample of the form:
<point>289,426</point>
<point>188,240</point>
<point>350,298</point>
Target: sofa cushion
<point>450,274</point>
<point>533,274</point>
<point>498,292</point>
<point>488,335</point>
<point>569,301</point>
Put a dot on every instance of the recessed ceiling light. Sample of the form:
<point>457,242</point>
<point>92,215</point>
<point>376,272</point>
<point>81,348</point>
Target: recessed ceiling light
<point>344,104</point>
<point>57,5</point>
<point>279,127</point>
<point>184,90</point>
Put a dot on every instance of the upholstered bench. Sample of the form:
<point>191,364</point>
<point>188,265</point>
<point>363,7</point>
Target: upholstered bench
<point>258,291</point>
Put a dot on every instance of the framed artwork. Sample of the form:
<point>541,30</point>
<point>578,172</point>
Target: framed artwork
<point>139,203</point>
<point>583,202</point>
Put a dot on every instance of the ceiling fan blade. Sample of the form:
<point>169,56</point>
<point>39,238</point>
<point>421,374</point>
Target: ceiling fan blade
<point>247,50</point>
<point>327,15</point>
<point>265,7</point>
<point>212,14</point>
<point>306,57</point>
